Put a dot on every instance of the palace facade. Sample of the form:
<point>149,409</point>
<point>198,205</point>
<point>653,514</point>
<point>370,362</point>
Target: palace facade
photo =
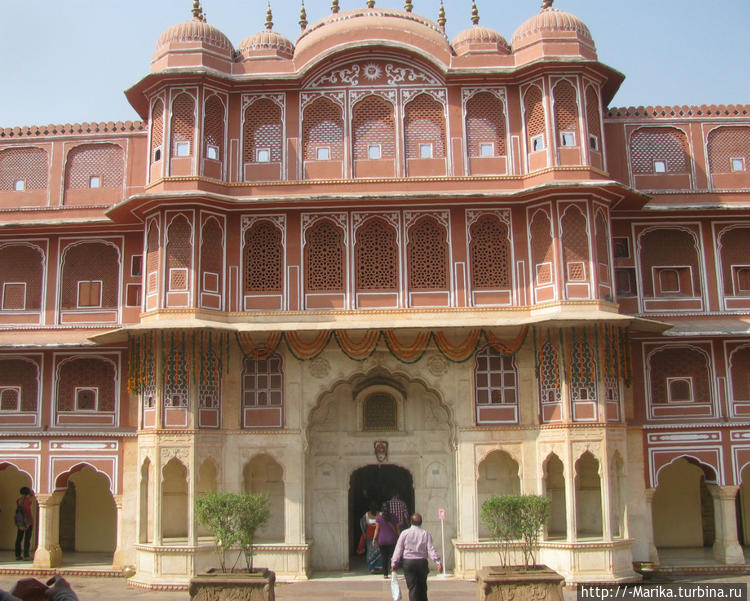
<point>376,236</point>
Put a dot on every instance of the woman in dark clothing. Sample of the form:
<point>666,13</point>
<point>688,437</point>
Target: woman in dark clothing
<point>24,522</point>
<point>386,535</point>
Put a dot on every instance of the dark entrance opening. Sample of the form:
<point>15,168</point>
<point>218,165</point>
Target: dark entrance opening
<point>374,483</point>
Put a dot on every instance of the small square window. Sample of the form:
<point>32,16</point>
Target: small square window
<point>212,152</point>
<point>323,153</point>
<point>19,185</point>
<point>567,138</point>
<point>183,149</point>
<point>157,154</point>
<point>537,143</point>
<point>86,398</point>
<point>593,142</point>
<point>263,155</point>
<point>89,293</point>
<point>136,266</point>
<point>95,181</point>
<point>10,398</point>
<point>373,151</point>
<point>425,151</point>
<point>486,149</point>
<point>738,164</point>
<point>660,166</point>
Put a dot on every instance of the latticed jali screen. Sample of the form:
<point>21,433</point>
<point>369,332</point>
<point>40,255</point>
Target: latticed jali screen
<point>92,261</point>
<point>602,246</point>
<point>102,160</point>
<point>679,363</point>
<point>490,254</point>
<point>212,251</point>
<point>86,372</point>
<point>262,130</point>
<point>575,244</point>
<point>157,127</point>
<point>213,125</point>
<point>27,164</point>
<point>725,144</point>
<point>427,254</point>
<point>263,254</point>
<point>549,372</point>
<point>534,113</point>
<point>373,123</point>
<point>324,257</point>
<point>541,248</point>
<point>22,263</point>
<point>323,125</point>
<point>566,107</point>
<point>740,373</point>
<point>668,144</point>
<point>376,256</point>
<point>262,382</point>
<point>22,374</point>
<point>379,412</point>
<point>592,112</point>
<point>183,121</point>
<point>424,123</point>
<point>667,247</point>
<point>179,253</point>
<point>485,122</point>
<point>152,258</point>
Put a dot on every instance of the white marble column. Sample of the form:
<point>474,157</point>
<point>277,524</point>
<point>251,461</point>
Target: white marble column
<point>48,553</point>
<point>118,560</point>
<point>653,554</point>
<point>726,548</point>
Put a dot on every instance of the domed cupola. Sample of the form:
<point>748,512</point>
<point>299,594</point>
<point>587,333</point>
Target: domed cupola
<point>193,43</point>
<point>267,43</point>
<point>553,32</point>
<point>479,39</point>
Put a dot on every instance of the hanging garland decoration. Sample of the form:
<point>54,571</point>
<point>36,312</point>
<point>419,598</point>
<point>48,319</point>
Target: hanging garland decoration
<point>405,351</point>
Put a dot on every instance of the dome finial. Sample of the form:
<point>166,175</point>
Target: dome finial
<point>408,6</point>
<point>441,16</point>
<point>474,13</point>
<point>370,3</point>
<point>547,4</point>
<point>269,17</point>
<point>196,9</point>
<point>334,6</point>
<point>203,15</point>
<point>302,17</point>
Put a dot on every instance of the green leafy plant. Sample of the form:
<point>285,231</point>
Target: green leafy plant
<point>514,518</point>
<point>233,519</point>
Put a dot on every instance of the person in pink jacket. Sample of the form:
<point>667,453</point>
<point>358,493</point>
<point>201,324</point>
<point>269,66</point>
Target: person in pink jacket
<point>414,546</point>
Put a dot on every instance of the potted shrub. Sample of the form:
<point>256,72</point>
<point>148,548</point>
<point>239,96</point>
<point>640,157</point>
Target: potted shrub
<point>515,522</point>
<point>233,519</point>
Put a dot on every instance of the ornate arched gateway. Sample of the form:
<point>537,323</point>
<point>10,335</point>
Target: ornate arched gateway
<point>411,427</point>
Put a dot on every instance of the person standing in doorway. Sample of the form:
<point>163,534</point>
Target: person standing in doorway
<point>414,546</point>
<point>24,521</point>
<point>399,512</point>
<point>385,535</point>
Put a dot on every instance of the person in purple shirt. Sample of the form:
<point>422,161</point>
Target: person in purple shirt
<point>386,533</point>
<point>414,546</point>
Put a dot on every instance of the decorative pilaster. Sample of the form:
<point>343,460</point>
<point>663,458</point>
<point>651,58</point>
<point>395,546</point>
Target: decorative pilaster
<point>48,553</point>
<point>653,554</point>
<point>118,559</point>
<point>605,486</point>
<point>726,548</point>
<point>571,524</point>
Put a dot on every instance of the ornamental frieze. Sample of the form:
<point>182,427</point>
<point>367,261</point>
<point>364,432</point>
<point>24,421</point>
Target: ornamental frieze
<point>374,73</point>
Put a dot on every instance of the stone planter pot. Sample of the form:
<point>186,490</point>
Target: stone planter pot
<point>538,583</point>
<point>233,586</point>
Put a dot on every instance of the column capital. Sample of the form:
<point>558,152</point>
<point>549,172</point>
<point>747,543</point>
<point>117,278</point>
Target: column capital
<point>118,501</point>
<point>45,499</point>
<point>728,492</point>
<point>649,494</point>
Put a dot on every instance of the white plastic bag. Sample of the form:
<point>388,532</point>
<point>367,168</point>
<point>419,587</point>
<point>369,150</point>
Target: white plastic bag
<point>395,588</point>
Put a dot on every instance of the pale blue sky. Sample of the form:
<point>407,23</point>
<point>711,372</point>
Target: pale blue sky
<point>66,61</point>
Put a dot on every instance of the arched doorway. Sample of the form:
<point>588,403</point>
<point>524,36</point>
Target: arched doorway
<point>375,484</point>
<point>11,482</point>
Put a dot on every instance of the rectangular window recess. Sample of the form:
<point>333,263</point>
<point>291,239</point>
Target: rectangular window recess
<point>537,143</point>
<point>738,164</point>
<point>425,151</point>
<point>567,138</point>
<point>660,166</point>
<point>182,149</point>
<point>593,142</point>
<point>212,152</point>
<point>487,149</point>
<point>95,181</point>
<point>263,155</point>
<point>19,185</point>
<point>323,153</point>
<point>157,154</point>
<point>373,151</point>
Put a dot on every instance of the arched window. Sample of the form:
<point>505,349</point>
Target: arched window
<point>19,385</point>
<point>179,260</point>
<point>489,251</point>
<point>670,263</point>
<point>379,412</point>
<point>542,255</point>
<point>213,129</point>
<point>262,392</point>
<point>679,374</point>
<point>183,125</point>
<point>23,169</point>
<point>735,266</point>
<point>566,114</point>
<point>262,140</point>
<point>575,242</point>
<point>424,124</point>
<point>212,264</point>
<point>263,259</point>
<point>86,385</point>
<point>495,388</point>
<point>427,252</point>
<point>373,129</point>
<point>324,257</point>
<point>94,166</point>
<point>593,119</point>
<point>485,126</point>
<point>534,119</point>
<point>21,277</point>
<point>323,131</point>
<point>655,150</point>
<point>90,277</point>
<point>729,149</point>
<point>157,131</point>
<point>376,256</point>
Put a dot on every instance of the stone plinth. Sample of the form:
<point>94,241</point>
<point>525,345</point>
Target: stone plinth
<point>540,584</point>
<point>233,586</point>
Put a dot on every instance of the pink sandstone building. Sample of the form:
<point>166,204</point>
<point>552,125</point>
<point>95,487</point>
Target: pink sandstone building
<point>376,236</point>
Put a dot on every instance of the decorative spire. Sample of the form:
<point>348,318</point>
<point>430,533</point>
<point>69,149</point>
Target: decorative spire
<point>269,17</point>
<point>408,6</point>
<point>196,9</point>
<point>547,4</point>
<point>334,6</point>
<point>441,16</point>
<point>474,13</point>
<point>303,17</point>
<point>203,15</point>
<point>370,3</point>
